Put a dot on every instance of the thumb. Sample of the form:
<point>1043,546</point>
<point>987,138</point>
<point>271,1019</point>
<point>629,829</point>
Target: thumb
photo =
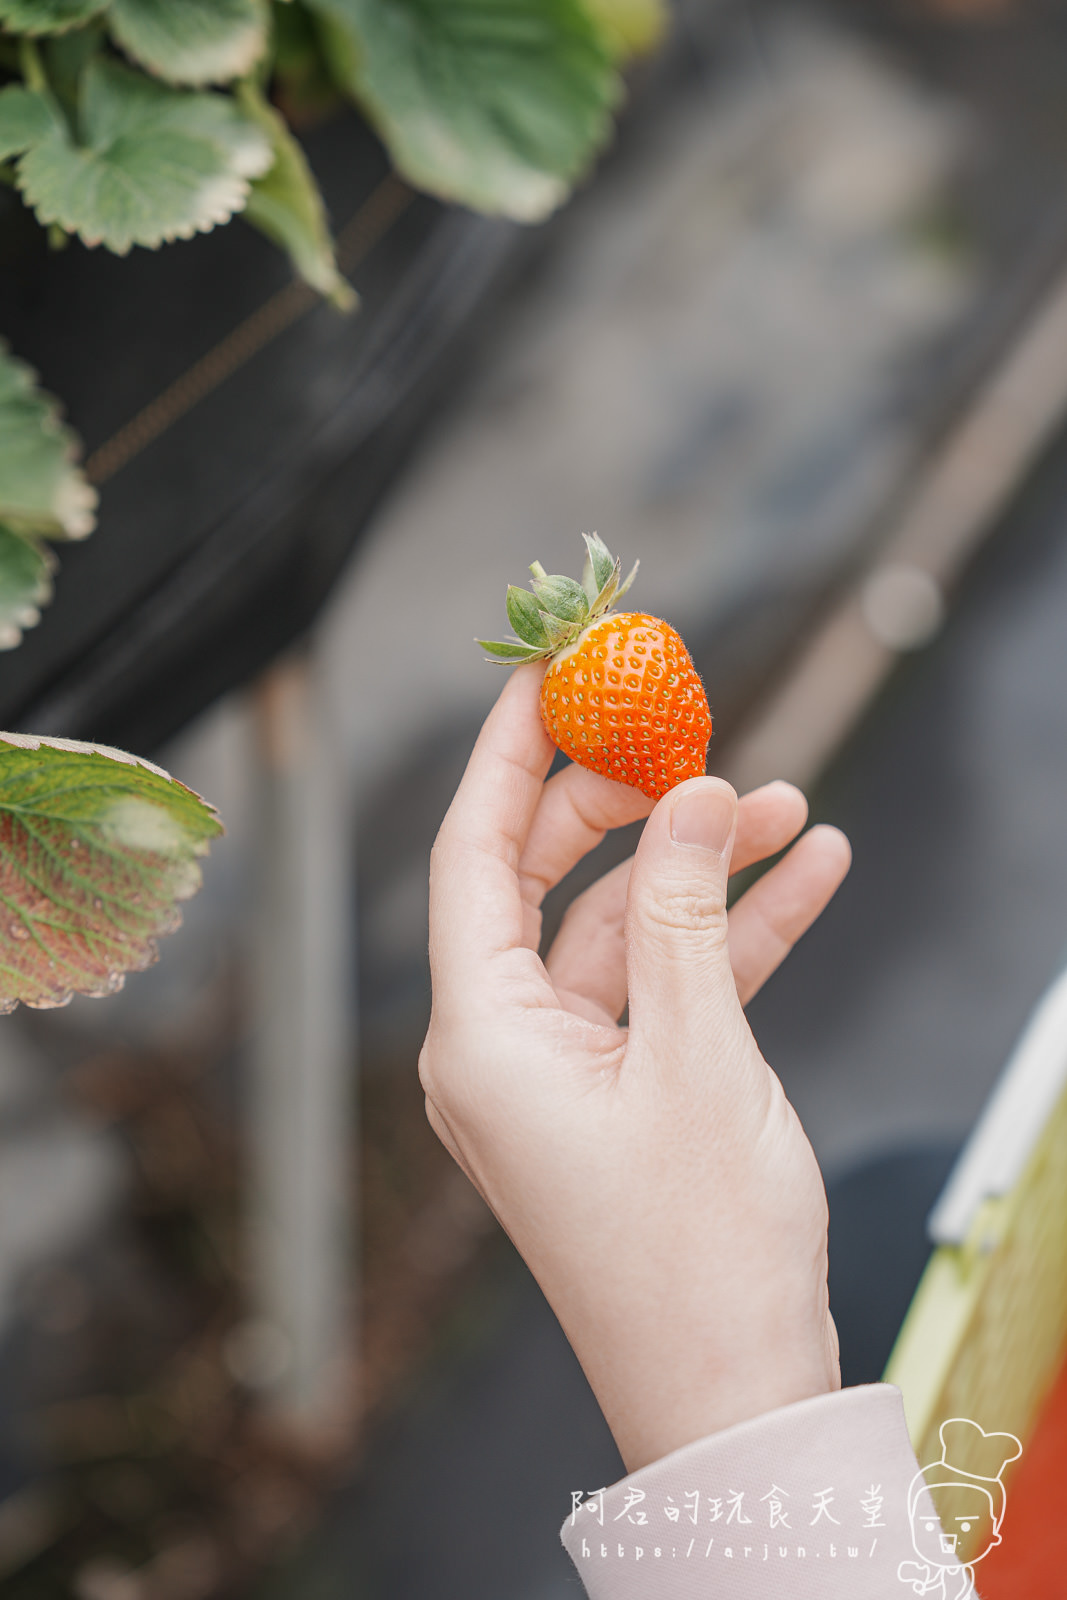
<point>681,987</point>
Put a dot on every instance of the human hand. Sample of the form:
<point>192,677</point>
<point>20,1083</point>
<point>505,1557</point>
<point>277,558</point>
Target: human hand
<point>655,1178</point>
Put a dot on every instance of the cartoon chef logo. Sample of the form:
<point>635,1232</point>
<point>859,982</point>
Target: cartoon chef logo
<point>955,1507</point>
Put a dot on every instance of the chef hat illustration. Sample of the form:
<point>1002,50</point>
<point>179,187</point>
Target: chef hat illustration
<point>971,1453</point>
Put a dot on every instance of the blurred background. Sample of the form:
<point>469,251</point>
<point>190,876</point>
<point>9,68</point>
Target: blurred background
<point>800,343</point>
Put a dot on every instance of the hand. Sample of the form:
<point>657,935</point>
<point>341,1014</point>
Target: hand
<point>655,1178</point>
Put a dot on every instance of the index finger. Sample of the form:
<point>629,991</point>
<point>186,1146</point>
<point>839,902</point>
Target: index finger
<point>476,909</point>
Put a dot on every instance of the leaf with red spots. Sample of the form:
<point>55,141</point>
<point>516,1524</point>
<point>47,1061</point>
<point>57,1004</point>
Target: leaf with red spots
<point>96,849</point>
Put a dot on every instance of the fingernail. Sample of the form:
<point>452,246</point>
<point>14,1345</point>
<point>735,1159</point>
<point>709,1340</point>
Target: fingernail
<point>703,817</point>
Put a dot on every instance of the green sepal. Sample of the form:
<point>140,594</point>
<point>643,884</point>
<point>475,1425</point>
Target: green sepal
<point>563,597</point>
<point>559,609</point>
<point>621,590</point>
<point>525,617</point>
<point>609,589</point>
<point>598,567</point>
<point>502,650</point>
<point>557,631</point>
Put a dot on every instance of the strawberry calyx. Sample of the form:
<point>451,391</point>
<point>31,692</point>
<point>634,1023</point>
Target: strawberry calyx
<point>556,610</point>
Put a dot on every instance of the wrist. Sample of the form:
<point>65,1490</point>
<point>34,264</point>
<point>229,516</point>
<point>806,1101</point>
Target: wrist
<point>669,1390</point>
<point>646,1431</point>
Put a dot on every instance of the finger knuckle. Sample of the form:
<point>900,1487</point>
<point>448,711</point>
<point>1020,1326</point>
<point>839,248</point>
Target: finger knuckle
<point>428,1076</point>
<point>687,910</point>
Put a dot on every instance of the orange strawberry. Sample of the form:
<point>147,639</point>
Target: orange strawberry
<point>620,692</point>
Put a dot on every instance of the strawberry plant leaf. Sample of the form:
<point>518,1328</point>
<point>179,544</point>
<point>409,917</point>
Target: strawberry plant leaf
<point>25,585</point>
<point>499,104</point>
<point>191,41</point>
<point>286,205</point>
<point>47,16</point>
<point>25,118</point>
<point>155,163</point>
<point>41,489</point>
<point>96,849</point>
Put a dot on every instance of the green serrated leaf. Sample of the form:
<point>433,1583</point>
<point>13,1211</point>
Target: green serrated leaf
<point>286,205</point>
<point>47,16</point>
<point>192,41</point>
<point>562,597</point>
<point>25,119</point>
<point>41,489</point>
<point>525,616</point>
<point>499,104</point>
<point>96,849</point>
<point>25,584</point>
<point>64,58</point>
<point>156,163</point>
<point>510,650</point>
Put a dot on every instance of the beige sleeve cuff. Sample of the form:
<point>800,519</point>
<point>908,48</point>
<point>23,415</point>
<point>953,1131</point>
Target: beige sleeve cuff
<point>808,1502</point>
